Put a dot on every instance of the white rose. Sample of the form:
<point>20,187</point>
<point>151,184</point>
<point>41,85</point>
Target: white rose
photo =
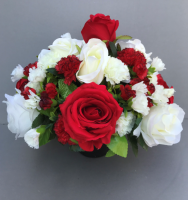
<point>124,124</point>
<point>33,101</point>
<point>34,85</point>
<point>32,138</point>
<point>158,64</point>
<point>20,118</point>
<point>66,45</point>
<point>140,88</point>
<point>140,104</point>
<point>163,125</point>
<point>36,75</point>
<point>160,96</point>
<point>95,58</point>
<point>17,73</point>
<point>137,45</point>
<point>116,71</point>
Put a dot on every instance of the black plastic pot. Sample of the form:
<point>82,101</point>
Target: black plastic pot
<point>96,153</point>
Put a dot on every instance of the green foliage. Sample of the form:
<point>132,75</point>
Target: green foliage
<point>44,135</point>
<point>75,148</point>
<point>151,70</point>
<point>119,145</point>
<point>134,143</point>
<point>38,121</point>
<point>78,48</point>
<point>105,41</point>
<point>76,142</point>
<point>122,37</point>
<point>142,142</point>
<point>52,71</point>
<point>64,89</point>
<point>25,77</point>
<point>45,112</point>
<point>110,154</point>
<point>54,103</point>
<point>118,47</point>
<point>113,49</point>
<point>53,117</point>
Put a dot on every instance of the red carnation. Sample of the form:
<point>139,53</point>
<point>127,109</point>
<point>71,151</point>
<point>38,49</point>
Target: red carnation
<point>26,69</point>
<point>51,90</point>
<point>21,84</point>
<point>127,92</point>
<point>135,81</point>
<point>62,135</point>
<point>161,81</point>
<point>151,88</point>
<point>171,99</point>
<point>68,66</point>
<point>45,102</point>
<point>134,59</point>
<point>26,92</point>
<point>150,103</point>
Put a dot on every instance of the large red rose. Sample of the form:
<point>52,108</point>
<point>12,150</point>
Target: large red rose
<point>101,27</point>
<point>90,114</point>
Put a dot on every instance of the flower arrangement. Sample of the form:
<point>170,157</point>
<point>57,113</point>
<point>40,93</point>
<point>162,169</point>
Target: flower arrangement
<point>103,90</point>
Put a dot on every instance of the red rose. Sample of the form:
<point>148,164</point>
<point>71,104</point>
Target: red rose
<point>26,69</point>
<point>68,66</point>
<point>26,92</point>
<point>90,115</point>
<point>62,135</point>
<point>45,102</point>
<point>101,27</point>
<point>51,90</point>
<point>127,92</point>
<point>21,84</point>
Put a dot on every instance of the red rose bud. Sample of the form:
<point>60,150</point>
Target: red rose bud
<point>51,90</point>
<point>101,27</point>
<point>90,114</point>
<point>127,92</point>
<point>21,84</point>
<point>62,135</point>
<point>26,69</point>
<point>26,92</point>
<point>161,81</point>
<point>45,102</point>
<point>68,66</point>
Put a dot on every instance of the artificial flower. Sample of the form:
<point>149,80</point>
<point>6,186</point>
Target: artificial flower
<point>51,90</point>
<point>17,73</point>
<point>32,138</point>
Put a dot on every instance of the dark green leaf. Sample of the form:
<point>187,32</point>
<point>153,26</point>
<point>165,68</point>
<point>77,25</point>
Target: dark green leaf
<point>52,71</point>
<point>138,120</point>
<point>25,77</point>
<point>49,126</point>
<point>60,101</point>
<point>113,49</point>
<point>38,121</point>
<point>44,135</point>
<point>54,102</point>
<point>118,47</point>
<point>110,154</point>
<point>142,142</point>
<point>119,146</point>
<point>75,148</point>
<point>134,144</point>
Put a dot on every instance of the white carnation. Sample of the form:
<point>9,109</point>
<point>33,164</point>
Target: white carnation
<point>169,92</point>
<point>140,104</point>
<point>116,71</point>
<point>33,101</point>
<point>36,75</point>
<point>17,73</point>
<point>124,124</point>
<point>34,85</point>
<point>140,88</point>
<point>32,138</point>
<point>137,45</point>
<point>158,64</point>
<point>159,96</point>
<point>153,78</point>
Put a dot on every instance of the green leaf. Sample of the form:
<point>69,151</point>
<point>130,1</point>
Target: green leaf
<point>53,117</point>
<point>118,47</point>
<point>105,41</point>
<point>50,126</point>
<point>125,111</point>
<point>122,37</point>
<point>151,70</point>
<point>76,142</point>
<point>78,48</point>
<point>75,148</point>
<point>113,49</point>
<point>138,120</point>
<point>52,71</point>
<point>38,121</point>
<point>119,146</point>
<point>142,142</point>
<point>60,101</point>
<point>54,102</point>
<point>110,154</point>
<point>64,89</point>
<point>44,135</point>
<point>45,112</point>
<point>25,77</point>
<point>134,144</point>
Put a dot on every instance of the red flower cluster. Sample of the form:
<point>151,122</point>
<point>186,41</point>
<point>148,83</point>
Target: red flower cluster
<point>51,90</point>
<point>26,69</point>
<point>21,84</point>
<point>45,102</point>
<point>62,135</point>
<point>68,66</point>
<point>127,92</point>
<point>26,92</point>
<point>134,59</point>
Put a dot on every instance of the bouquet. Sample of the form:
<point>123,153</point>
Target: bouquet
<point>104,90</point>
